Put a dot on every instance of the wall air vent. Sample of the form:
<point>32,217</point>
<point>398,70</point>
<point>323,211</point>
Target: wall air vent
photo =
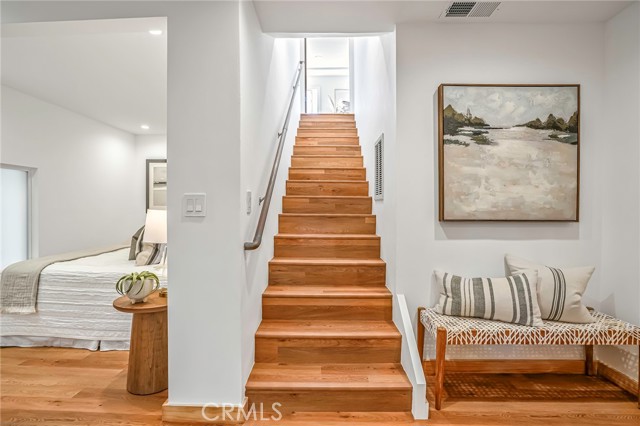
<point>378,191</point>
<point>471,9</point>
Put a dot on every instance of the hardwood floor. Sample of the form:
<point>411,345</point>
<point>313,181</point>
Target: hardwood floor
<point>62,387</point>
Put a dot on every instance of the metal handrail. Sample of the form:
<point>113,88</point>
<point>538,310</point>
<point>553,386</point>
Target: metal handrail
<point>257,238</point>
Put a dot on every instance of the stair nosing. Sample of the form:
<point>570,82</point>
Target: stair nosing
<point>325,155</point>
<point>325,168</point>
<point>328,214</point>
<point>327,261</point>
<point>327,181</point>
<point>327,196</point>
<point>330,236</point>
<point>391,333</point>
<point>345,295</point>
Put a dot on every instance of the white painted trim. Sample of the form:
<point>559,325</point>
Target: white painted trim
<point>410,359</point>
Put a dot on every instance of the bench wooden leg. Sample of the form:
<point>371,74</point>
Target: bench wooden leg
<point>588,360</point>
<point>441,350</point>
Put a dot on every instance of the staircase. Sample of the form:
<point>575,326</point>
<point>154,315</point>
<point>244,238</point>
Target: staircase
<point>327,345</point>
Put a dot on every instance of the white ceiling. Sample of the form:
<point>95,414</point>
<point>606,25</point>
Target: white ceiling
<point>113,71</point>
<point>328,52</point>
<point>345,17</point>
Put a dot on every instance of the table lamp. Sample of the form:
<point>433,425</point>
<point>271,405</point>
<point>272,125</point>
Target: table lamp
<point>155,231</point>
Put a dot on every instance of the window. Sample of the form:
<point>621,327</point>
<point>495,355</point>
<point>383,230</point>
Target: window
<point>15,214</point>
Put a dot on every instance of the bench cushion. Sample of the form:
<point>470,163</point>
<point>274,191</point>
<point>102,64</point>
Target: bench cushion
<point>605,330</point>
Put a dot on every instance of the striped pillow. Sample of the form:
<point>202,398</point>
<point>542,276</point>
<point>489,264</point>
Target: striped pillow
<point>511,299</point>
<point>560,290</point>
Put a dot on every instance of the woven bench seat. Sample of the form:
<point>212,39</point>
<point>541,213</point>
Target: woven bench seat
<point>474,331</point>
<point>450,330</point>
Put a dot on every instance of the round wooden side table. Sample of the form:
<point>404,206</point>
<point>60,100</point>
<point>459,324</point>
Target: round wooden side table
<point>148,356</point>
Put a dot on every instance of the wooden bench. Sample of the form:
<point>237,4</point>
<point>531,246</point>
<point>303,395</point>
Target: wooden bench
<point>450,330</point>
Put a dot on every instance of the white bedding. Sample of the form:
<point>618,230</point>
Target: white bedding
<point>75,306</point>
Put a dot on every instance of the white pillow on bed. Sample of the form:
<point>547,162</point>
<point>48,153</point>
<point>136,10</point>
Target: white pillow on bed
<point>151,254</point>
<point>560,290</point>
<point>134,249</point>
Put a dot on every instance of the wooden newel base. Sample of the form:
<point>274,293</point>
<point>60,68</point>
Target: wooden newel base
<point>148,354</point>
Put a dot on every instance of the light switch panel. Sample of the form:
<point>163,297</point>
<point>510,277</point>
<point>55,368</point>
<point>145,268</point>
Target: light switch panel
<point>194,204</point>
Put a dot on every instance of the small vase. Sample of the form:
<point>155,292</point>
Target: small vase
<point>141,290</point>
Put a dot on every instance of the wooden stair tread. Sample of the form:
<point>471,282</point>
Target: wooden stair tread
<point>328,114</point>
<point>326,168</point>
<point>328,291</point>
<point>312,215</point>
<point>325,155</point>
<point>323,182</point>
<point>328,329</point>
<point>330,236</point>
<point>324,137</point>
<point>375,376</point>
<point>326,261</point>
<point>340,197</point>
<point>329,146</point>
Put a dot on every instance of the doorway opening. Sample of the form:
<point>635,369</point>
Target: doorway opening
<point>328,75</point>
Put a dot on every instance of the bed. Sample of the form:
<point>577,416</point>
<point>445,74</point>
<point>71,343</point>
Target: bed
<point>74,307</point>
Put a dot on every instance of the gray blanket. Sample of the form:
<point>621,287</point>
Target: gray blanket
<point>19,282</point>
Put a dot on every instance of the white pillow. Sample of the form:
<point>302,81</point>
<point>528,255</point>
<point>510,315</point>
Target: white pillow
<point>508,299</point>
<point>560,290</point>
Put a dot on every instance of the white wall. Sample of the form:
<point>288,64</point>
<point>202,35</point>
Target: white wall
<point>428,55</point>
<point>620,291</point>
<point>374,93</point>
<point>204,156</point>
<point>85,178</point>
<point>523,57</point>
<point>267,71</point>
<point>621,214</point>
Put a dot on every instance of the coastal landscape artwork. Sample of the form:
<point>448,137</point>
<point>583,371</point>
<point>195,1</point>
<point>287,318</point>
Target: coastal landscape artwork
<point>509,152</point>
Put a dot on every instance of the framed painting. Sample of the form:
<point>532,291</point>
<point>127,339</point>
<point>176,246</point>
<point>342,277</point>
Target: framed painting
<point>509,152</point>
<point>156,184</point>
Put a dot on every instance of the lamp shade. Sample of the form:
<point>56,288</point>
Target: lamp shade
<point>155,227</point>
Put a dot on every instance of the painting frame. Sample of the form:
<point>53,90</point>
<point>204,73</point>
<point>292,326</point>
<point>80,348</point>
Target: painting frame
<point>442,217</point>
<point>150,171</point>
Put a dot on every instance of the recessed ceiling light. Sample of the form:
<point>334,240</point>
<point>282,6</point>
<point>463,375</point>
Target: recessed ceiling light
<point>144,126</point>
<point>155,32</point>
<point>318,56</point>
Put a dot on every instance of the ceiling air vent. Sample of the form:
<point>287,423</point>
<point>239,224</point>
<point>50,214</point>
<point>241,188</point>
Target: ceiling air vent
<point>471,9</point>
